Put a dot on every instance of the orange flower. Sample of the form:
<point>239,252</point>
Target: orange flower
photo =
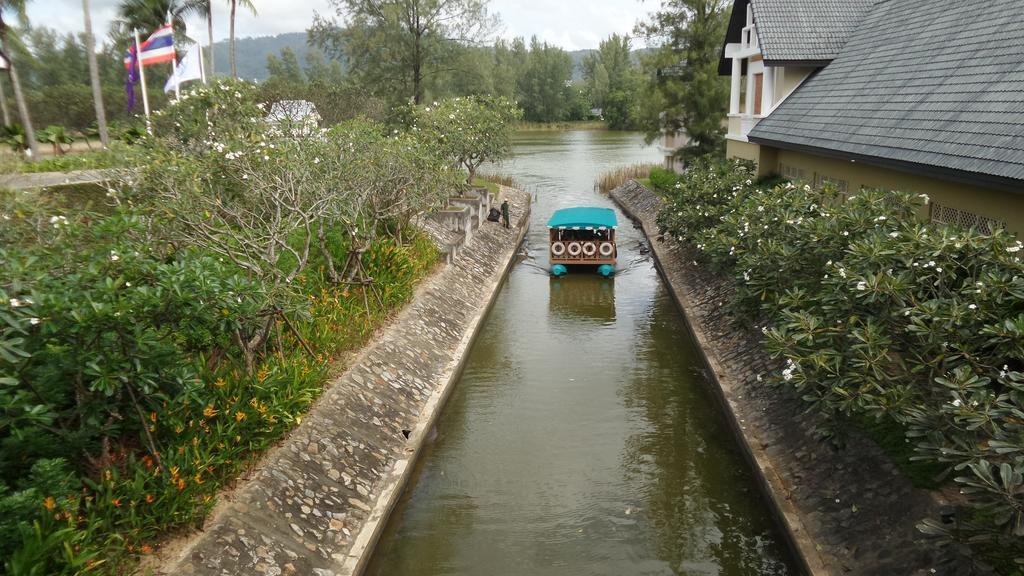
<point>181,483</point>
<point>116,502</point>
<point>219,383</point>
<point>147,461</point>
<point>146,549</point>
<point>152,416</point>
<point>178,429</point>
<point>239,416</point>
<point>149,499</point>
<point>209,412</point>
<point>198,479</point>
<point>49,503</point>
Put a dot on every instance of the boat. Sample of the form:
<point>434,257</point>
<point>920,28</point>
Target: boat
<point>583,236</point>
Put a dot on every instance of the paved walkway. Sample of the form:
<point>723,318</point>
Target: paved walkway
<point>46,179</point>
<point>850,511</point>
<point>317,503</point>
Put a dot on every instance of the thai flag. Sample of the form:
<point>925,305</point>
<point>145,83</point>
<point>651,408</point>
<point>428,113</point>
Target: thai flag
<point>159,47</point>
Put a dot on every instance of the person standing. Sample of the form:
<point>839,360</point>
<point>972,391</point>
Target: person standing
<point>504,213</point>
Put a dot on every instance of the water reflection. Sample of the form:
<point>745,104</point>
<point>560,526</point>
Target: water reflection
<point>579,297</point>
<point>581,439</point>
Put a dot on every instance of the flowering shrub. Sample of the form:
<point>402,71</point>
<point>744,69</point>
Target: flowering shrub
<point>469,130</point>
<point>147,354</point>
<point>879,315</point>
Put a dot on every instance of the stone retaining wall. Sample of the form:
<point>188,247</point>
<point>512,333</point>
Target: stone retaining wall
<point>317,504</point>
<point>846,512</point>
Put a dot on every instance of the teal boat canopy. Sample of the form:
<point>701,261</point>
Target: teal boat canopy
<point>583,219</point>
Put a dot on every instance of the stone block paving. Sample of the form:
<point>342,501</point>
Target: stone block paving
<point>308,499</point>
<point>854,504</point>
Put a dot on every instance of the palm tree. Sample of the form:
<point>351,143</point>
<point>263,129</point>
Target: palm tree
<point>247,4</point>
<point>208,8</point>
<point>148,15</point>
<point>94,76</point>
<point>18,6</point>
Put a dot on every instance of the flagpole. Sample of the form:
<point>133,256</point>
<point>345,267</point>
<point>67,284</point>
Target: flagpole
<point>142,77</point>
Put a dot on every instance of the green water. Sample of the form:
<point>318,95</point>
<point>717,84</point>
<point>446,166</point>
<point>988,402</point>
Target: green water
<point>581,438</point>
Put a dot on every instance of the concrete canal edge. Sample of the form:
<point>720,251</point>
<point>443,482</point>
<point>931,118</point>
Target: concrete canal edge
<point>633,199</point>
<point>318,503</point>
<point>849,511</point>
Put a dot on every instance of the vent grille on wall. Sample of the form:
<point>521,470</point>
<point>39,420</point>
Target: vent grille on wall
<point>957,217</point>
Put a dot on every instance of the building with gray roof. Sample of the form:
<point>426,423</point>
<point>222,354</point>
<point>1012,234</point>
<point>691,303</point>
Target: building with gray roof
<point>921,95</point>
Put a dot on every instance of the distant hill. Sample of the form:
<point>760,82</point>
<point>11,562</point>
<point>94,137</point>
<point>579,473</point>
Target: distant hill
<point>252,55</point>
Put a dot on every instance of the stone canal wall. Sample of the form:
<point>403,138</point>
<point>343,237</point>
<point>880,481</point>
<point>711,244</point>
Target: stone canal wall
<point>317,504</point>
<point>845,512</point>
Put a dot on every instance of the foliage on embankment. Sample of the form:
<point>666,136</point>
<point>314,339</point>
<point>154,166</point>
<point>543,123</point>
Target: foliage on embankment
<point>879,315</point>
<point>148,354</point>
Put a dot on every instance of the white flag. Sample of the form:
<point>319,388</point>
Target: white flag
<point>188,68</point>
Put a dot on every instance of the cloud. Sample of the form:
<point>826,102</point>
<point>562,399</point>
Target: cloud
<point>570,24</point>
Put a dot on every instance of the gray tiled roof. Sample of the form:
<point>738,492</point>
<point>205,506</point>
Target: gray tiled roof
<point>806,30</point>
<point>938,83</point>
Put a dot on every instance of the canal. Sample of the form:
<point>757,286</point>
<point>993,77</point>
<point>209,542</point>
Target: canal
<point>582,438</point>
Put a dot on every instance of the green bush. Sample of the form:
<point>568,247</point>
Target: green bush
<point>879,315</point>
<point>149,352</point>
<point>662,179</point>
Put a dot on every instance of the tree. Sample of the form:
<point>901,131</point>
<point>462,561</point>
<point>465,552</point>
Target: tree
<point>248,5</point>
<point>470,131</point>
<point>18,7</point>
<point>396,46</point>
<point>688,36</point>
<point>286,68</point>
<point>544,87</point>
<point>145,16</point>
<point>613,81</point>
<point>94,76</point>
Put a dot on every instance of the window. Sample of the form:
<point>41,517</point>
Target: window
<point>955,216</point>
<point>758,90</point>
<point>839,184</point>
<point>791,172</point>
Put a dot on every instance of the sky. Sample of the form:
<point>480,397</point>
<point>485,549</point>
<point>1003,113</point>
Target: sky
<point>569,24</point>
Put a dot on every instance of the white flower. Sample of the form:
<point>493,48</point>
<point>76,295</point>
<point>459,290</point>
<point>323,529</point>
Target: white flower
<point>114,257</point>
<point>316,160</point>
<point>1012,249</point>
<point>939,269</point>
<point>972,306</point>
<point>880,219</point>
<point>15,303</point>
<point>265,157</point>
<point>957,403</point>
<point>451,116</point>
<point>862,285</point>
<point>893,234</point>
<point>924,197</point>
<point>34,321</point>
<point>807,187</point>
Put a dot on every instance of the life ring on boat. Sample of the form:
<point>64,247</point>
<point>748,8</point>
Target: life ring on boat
<point>557,248</point>
<point>607,249</point>
<point>575,248</point>
<point>589,249</point>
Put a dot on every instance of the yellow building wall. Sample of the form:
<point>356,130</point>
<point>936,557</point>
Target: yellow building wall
<point>1002,206</point>
<point>765,157</point>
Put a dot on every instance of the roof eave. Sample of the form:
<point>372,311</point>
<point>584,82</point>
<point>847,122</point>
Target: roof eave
<point>992,181</point>
<point>812,63</point>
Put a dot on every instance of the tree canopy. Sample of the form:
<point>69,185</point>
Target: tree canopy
<point>399,46</point>
<point>684,72</point>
